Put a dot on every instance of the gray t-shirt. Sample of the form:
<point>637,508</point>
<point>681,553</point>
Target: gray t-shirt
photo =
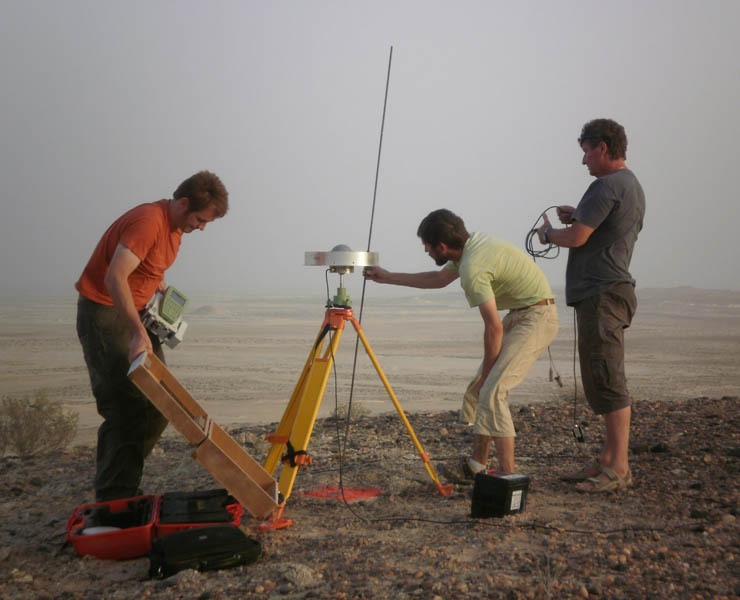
<point>614,205</point>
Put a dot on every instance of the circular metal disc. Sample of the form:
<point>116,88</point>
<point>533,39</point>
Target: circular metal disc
<point>341,258</point>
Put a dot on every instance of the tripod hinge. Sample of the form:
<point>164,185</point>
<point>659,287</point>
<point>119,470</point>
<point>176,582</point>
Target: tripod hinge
<point>296,457</point>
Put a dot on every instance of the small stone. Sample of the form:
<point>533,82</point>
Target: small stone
<point>259,589</point>
<point>444,432</point>
<point>21,576</point>
<point>659,447</point>
<point>583,591</point>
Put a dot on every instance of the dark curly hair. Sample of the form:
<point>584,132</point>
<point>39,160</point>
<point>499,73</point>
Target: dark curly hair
<point>608,131</point>
<point>443,226</point>
<point>202,190</point>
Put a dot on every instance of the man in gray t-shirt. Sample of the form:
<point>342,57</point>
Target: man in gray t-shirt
<point>613,206</point>
<point>601,235</point>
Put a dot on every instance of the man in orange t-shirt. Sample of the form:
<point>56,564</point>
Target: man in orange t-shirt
<point>125,270</point>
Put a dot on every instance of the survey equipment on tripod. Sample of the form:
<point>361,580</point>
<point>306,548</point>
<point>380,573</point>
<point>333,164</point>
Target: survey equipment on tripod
<point>342,260</point>
<point>290,440</point>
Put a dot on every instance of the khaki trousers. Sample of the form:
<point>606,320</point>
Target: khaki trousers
<point>527,333</point>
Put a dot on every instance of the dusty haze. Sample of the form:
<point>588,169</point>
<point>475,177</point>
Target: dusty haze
<point>108,105</point>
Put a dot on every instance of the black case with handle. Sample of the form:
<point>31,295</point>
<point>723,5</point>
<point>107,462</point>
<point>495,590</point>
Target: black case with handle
<point>202,548</point>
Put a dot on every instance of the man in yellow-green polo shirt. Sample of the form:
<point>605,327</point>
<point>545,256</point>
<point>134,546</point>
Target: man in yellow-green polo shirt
<point>495,275</point>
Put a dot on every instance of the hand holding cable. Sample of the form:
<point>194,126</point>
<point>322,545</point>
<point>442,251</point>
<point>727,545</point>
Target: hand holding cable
<point>542,232</point>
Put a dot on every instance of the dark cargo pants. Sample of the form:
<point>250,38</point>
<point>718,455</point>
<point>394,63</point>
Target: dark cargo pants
<point>131,425</point>
<point>602,319</point>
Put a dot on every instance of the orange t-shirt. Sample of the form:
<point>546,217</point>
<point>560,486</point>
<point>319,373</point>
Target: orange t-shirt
<point>145,230</point>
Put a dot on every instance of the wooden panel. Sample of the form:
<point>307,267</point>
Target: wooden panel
<point>241,458</point>
<point>241,475</point>
<point>193,429</point>
<point>260,502</point>
<point>160,371</point>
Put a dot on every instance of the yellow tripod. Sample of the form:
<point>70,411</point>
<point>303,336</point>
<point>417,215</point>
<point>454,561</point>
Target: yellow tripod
<point>290,441</point>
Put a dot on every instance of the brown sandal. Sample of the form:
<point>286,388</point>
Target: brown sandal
<point>612,483</point>
<point>585,473</point>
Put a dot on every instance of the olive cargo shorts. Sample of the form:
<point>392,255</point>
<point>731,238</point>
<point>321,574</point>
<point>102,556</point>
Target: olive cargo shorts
<point>131,424</point>
<point>527,333</point>
<point>602,319</point>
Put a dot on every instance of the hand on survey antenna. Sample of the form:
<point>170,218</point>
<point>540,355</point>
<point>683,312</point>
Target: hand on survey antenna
<point>565,214</point>
<point>377,274</point>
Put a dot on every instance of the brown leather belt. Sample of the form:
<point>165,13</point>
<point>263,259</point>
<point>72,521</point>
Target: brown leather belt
<point>544,302</point>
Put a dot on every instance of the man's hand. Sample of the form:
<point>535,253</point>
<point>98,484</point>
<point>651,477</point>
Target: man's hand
<point>546,226</point>
<point>377,274</point>
<point>162,287</point>
<point>139,343</point>
<point>565,214</point>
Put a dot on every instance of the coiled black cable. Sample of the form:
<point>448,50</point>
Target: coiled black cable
<point>529,245</point>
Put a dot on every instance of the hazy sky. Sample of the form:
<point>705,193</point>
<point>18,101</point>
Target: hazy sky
<point>106,105</point>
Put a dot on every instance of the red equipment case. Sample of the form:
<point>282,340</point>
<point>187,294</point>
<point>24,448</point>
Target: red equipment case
<point>135,518</point>
<point>138,523</point>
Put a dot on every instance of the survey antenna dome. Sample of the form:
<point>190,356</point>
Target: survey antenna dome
<point>341,259</point>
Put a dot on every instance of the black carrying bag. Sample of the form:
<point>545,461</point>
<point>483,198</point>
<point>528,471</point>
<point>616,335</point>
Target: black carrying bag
<point>202,548</point>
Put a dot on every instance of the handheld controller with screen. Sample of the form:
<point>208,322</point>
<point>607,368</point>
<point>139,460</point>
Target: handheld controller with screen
<point>163,316</point>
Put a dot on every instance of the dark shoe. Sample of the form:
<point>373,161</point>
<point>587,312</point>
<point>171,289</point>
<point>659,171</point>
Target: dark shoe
<point>459,472</point>
<point>110,495</point>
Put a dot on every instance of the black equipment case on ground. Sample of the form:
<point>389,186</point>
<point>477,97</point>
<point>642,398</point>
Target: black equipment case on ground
<point>498,494</point>
<point>202,548</point>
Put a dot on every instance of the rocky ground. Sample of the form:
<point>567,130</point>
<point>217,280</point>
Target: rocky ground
<point>674,534</point>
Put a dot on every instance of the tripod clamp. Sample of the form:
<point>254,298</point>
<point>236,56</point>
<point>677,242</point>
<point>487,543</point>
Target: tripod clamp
<point>295,457</point>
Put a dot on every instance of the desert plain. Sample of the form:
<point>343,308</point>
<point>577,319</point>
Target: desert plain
<point>674,534</point>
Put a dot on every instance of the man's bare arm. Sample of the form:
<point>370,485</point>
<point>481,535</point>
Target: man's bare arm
<point>571,237</point>
<point>426,280</point>
<point>493,333</point>
<point>121,266</point>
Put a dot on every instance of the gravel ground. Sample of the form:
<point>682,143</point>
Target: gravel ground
<point>674,534</point>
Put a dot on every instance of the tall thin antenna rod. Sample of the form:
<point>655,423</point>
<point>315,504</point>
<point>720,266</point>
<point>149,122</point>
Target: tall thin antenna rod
<point>343,446</point>
<point>380,148</point>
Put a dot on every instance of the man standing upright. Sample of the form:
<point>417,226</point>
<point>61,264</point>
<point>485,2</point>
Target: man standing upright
<point>601,236</point>
<point>495,275</point>
<point>125,270</point>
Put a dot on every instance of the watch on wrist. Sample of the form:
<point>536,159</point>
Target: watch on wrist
<point>545,234</point>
